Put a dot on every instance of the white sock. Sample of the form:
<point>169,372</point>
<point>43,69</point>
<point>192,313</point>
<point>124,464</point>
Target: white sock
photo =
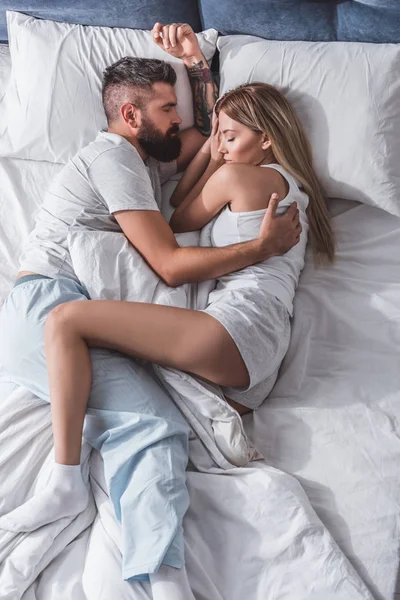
<point>65,495</point>
<point>170,584</point>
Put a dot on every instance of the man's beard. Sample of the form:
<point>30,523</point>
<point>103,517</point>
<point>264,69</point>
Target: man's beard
<point>163,147</point>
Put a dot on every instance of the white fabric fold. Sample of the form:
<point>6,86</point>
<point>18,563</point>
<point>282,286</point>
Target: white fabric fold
<point>26,458</point>
<point>110,268</point>
<point>249,532</point>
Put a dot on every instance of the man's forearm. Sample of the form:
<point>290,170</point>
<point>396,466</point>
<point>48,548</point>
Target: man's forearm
<point>189,265</point>
<point>204,90</point>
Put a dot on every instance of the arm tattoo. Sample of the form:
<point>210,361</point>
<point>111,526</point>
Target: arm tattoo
<point>205,94</point>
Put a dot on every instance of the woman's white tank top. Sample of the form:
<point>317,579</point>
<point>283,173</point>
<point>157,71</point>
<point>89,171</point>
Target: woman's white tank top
<point>278,275</point>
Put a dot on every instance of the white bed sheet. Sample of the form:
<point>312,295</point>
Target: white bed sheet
<point>332,419</point>
<point>21,192</point>
<point>283,550</point>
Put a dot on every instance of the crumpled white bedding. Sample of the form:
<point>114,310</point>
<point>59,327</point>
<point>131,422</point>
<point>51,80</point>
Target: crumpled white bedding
<point>256,517</point>
<point>333,418</point>
<point>249,532</point>
<point>110,268</point>
<point>21,192</point>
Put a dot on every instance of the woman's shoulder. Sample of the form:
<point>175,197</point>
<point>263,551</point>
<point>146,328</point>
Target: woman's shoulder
<point>245,174</point>
<point>230,174</point>
<point>256,178</point>
<point>249,184</point>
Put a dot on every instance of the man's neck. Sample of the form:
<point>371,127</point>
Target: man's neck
<point>129,138</point>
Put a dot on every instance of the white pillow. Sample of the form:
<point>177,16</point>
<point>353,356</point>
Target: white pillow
<point>53,103</point>
<point>347,96</point>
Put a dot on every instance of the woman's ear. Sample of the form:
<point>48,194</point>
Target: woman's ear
<point>266,142</point>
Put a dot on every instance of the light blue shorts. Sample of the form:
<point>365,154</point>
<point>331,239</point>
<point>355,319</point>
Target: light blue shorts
<point>131,421</point>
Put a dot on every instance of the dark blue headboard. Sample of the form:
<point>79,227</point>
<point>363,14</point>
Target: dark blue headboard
<point>313,20</point>
<point>348,20</point>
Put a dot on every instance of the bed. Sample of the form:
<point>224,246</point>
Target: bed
<point>331,423</point>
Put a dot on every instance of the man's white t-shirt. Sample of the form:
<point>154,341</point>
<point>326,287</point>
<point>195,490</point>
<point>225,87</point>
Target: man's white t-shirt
<point>106,176</point>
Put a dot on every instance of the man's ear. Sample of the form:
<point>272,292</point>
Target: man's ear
<point>129,113</point>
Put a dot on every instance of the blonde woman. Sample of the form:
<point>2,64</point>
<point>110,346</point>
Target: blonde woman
<point>255,127</point>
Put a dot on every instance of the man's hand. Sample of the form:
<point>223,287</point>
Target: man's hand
<point>279,234</point>
<point>180,41</point>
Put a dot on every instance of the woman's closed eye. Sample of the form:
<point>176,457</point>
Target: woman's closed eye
<point>230,140</point>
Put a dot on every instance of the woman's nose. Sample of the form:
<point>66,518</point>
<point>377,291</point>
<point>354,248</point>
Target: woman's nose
<point>221,148</point>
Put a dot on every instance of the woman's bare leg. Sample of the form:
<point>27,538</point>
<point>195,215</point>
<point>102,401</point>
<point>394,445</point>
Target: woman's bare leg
<point>66,493</point>
<point>179,338</point>
<point>73,372</point>
<point>187,340</point>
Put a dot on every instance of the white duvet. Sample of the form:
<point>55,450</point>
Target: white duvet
<point>111,269</point>
<point>249,532</point>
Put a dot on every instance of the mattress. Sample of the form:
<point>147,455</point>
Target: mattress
<point>332,420</point>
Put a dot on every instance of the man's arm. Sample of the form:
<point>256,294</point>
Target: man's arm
<point>205,92</point>
<point>180,41</point>
<point>152,237</point>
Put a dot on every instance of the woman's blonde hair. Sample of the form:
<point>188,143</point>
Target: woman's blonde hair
<point>264,109</point>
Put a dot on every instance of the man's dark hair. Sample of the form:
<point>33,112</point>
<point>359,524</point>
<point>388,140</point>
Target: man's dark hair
<point>136,76</point>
